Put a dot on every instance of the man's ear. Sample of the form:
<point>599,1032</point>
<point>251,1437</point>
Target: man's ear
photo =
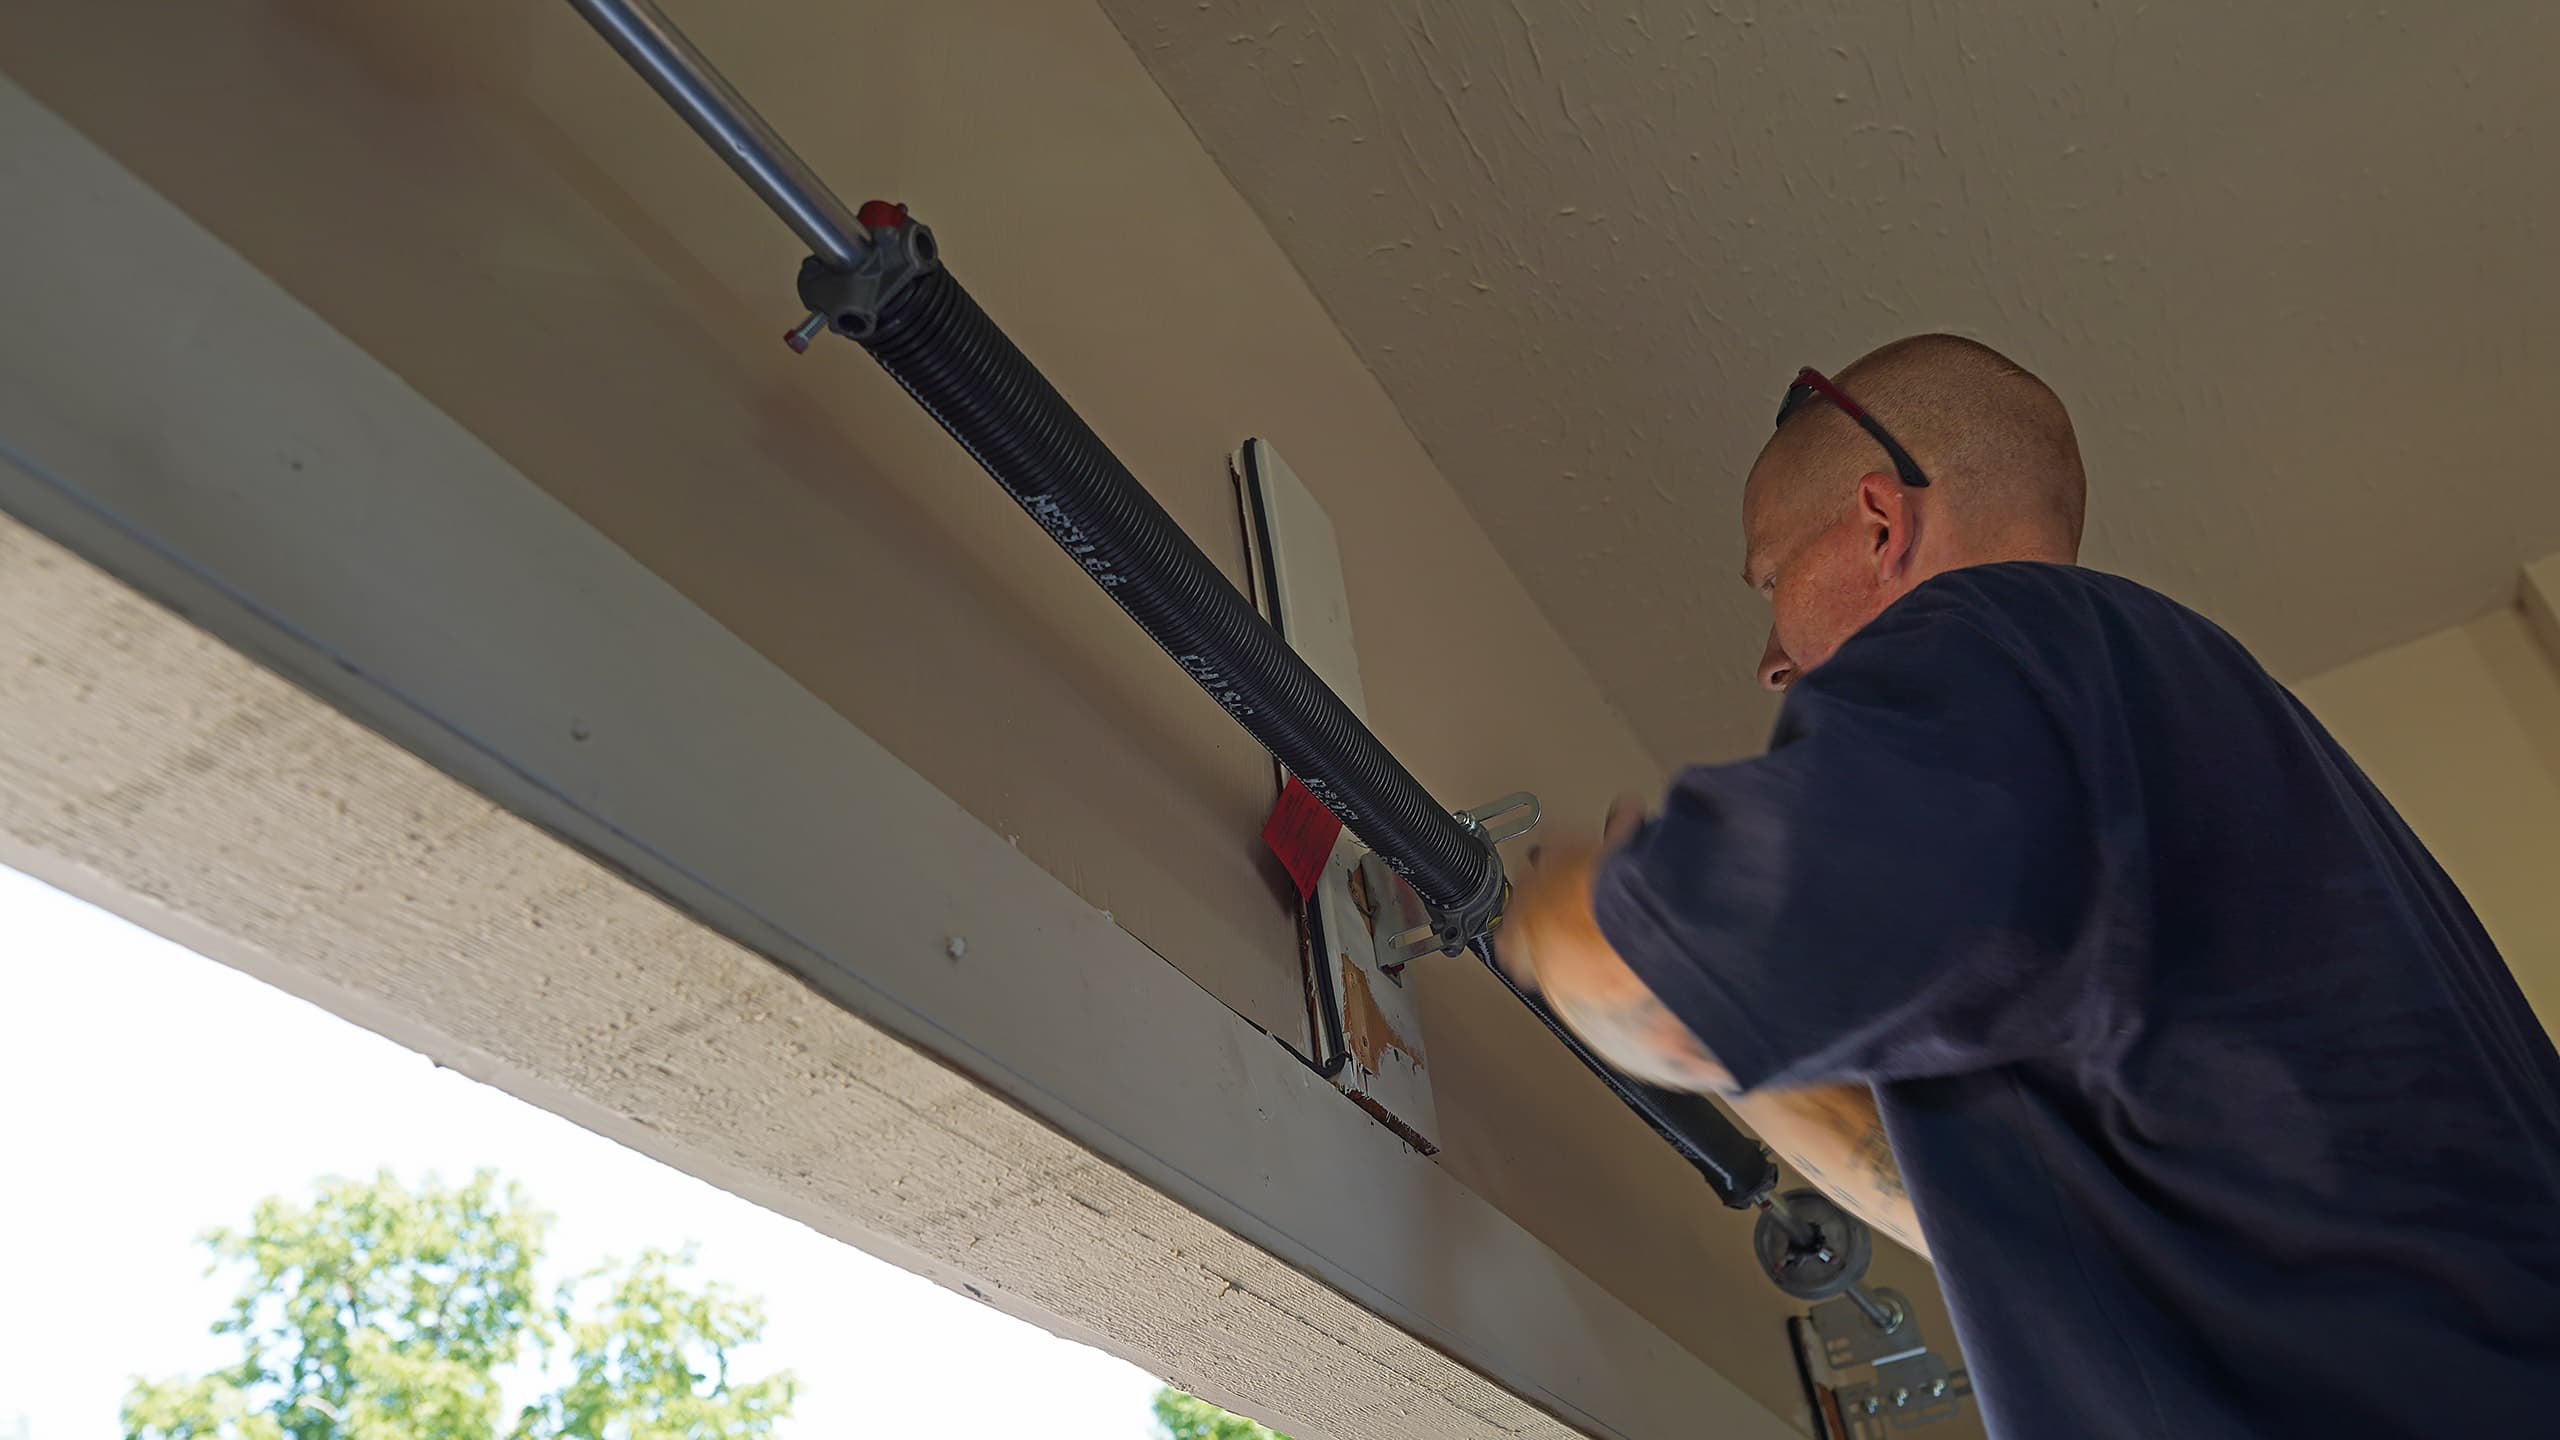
<point>1891,522</point>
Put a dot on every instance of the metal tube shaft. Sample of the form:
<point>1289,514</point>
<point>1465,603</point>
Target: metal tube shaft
<point>722,117</point>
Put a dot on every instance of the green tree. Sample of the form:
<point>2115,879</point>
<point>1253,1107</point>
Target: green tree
<point>1188,1417</point>
<point>377,1312</point>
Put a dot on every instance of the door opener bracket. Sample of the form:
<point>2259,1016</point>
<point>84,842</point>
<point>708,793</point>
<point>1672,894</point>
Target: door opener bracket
<point>1362,925</point>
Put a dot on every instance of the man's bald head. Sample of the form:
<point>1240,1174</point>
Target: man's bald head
<point>1993,440</point>
<point>1834,535</point>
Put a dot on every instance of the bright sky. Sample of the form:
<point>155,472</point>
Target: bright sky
<point>147,1093</point>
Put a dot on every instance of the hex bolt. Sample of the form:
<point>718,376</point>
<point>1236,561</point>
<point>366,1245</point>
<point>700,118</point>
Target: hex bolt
<point>1937,1388</point>
<point>807,330</point>
<point>1901,1398</point>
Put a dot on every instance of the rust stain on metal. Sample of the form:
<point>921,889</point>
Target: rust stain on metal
<point>1365,1027</point>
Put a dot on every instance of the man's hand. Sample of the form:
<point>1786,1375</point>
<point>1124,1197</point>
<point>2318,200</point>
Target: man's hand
<point>1551,944</point>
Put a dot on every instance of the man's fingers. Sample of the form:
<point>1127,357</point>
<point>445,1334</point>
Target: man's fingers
<point>1626,814</point>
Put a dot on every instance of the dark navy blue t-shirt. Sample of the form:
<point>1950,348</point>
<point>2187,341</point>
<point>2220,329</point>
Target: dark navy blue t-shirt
<point>2222,1115</point>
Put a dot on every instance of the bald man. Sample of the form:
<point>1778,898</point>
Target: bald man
<point>2216,1107</point>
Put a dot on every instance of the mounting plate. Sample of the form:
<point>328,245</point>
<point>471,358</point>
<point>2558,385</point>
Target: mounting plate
<point>1912,1386</point>
<point>1381,1023</point>
<point>1364,1029</point>
<point>1915,1390</point>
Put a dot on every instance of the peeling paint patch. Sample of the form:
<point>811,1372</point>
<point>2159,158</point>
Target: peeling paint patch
<point>1365,1027</point>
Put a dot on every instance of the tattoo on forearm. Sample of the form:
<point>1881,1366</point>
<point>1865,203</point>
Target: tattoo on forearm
<point>1855,1165</point>
<point>1876,1153</point>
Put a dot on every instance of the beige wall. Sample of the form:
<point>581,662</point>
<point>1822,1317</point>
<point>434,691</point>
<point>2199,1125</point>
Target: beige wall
<point>2461,729</point>
<point>481,197</point>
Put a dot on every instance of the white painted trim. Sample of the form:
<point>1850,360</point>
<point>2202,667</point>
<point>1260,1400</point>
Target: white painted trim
<point>177,419</point>
<point>1306,571</point>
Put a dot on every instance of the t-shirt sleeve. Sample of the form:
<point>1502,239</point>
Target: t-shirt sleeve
<point>1902,887</point>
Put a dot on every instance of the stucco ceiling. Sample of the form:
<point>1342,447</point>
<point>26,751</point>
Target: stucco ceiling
<point>2289,263</point>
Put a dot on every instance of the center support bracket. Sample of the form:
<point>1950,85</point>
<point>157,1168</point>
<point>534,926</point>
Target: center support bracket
<point>1403,929</point>
<point>1362,924</point>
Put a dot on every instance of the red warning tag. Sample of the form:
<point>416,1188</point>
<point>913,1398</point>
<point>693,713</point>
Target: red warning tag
<point>1301,832</point>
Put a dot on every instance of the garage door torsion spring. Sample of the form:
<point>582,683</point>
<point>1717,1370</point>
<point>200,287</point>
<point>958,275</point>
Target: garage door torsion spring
<point>936,341</point>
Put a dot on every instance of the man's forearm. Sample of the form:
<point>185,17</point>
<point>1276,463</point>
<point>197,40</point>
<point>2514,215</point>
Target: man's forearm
<point>1834,1137</point>
<point>1830,1133</point>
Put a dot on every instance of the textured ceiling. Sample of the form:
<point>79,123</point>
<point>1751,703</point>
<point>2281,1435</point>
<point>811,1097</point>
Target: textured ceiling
<point>2289,263</point>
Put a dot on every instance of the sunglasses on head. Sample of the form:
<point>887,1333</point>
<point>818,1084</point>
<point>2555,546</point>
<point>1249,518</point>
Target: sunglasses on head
<point>1810,382</point>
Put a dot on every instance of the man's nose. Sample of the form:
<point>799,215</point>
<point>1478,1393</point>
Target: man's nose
<point>1776,670</point>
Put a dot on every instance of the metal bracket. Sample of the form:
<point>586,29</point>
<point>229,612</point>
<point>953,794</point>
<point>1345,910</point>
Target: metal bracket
<point>1375,1021</point>
<point>1916,1390</point>
<point>1912,1386</point>
<point>1362,907</point>
<point>1398,919</point>
<point>1417,932</point>
<point>1508,818</point>
<point>1403,929</point>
